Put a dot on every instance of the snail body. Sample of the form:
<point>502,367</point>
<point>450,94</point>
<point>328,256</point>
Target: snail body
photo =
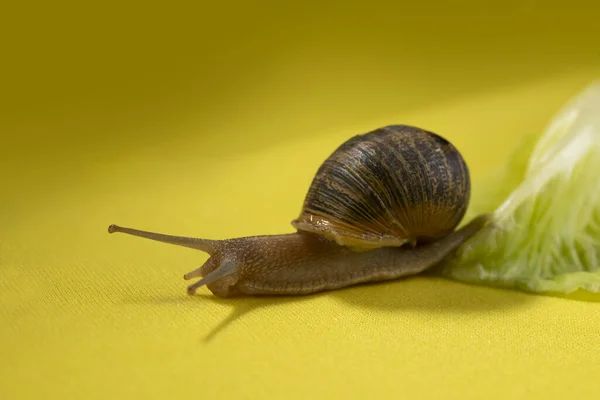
<point>384,205</point>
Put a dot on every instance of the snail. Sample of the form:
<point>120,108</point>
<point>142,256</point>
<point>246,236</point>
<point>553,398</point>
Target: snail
<point>384,205</point>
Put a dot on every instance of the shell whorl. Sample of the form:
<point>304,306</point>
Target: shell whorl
<point>395,185</point>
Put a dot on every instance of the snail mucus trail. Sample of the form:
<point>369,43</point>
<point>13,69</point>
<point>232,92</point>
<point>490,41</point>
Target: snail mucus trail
<point>384,205</point>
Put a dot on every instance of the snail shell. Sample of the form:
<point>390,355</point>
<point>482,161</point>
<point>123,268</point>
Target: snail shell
<point>392,186</point>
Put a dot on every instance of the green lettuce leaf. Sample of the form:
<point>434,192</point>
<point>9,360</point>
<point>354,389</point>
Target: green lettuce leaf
<point>544,236</point>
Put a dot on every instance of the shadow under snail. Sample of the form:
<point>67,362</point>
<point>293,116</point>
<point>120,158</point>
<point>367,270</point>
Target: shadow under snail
<point>384,205</point>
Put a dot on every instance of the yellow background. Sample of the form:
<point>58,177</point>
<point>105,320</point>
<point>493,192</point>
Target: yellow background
<point>210,120</point>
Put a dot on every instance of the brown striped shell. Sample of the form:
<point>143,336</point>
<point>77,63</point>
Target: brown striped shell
<point>392,186</point>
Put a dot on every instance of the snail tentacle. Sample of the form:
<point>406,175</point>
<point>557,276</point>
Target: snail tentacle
<point>205,245</point>
<point>225,269</point>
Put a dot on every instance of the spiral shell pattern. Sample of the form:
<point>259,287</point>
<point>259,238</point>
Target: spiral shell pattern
<point>392,186</point>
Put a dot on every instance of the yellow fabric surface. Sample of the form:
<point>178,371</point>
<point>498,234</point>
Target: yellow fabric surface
<point>211,122</point>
